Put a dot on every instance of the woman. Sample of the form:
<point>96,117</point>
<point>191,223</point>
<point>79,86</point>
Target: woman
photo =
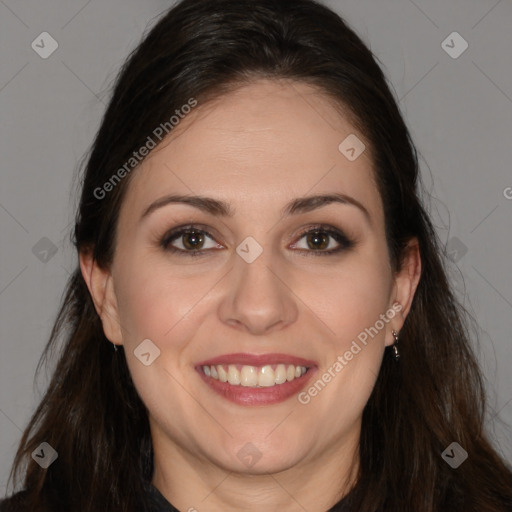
<point>260,317</point>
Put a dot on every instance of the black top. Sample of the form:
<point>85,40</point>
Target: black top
<point>158,502</point>
<point>155,498</point>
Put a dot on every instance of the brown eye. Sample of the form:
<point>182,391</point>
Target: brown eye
<point>189,241</point>
<point>317,240</point>
<point>193,240</point>
<point>324,241</point>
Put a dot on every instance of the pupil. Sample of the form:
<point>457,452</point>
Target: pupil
<point>192,240</point>
<point>318,237</point>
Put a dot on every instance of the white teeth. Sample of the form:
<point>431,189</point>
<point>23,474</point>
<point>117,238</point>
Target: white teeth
<point>249,376</point>
<point>223,376</point>
<point>266,377</point>
<point>233,375</point>
<point>253,376</point>
<point>280,374</point>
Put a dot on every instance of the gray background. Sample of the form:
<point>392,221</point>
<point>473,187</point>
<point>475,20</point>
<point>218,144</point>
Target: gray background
<point>459,111</point>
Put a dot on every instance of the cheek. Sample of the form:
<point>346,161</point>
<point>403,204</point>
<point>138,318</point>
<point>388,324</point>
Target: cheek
<point>350,296</point>
<point>350,303</point>
<point>155,303</point>
<point>158,303</point>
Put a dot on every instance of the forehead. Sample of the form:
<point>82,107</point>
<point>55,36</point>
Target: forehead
<point>257,147</point>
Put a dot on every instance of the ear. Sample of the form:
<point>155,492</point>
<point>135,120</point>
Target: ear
<point>405,283</point>
<point>101,287</point>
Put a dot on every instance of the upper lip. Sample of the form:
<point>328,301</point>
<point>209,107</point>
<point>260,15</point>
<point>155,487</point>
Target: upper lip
<point>257,360</point>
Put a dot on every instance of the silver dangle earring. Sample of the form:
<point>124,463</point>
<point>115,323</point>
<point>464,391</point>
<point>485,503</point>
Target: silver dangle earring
<point>115,347</point>
<point>395,348</point>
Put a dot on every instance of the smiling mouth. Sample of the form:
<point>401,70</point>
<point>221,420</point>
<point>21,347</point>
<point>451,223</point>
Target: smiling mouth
<point>256,379</point>
<point>254,376</point>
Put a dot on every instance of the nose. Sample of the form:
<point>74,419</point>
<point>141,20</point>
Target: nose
<point>257,298</point>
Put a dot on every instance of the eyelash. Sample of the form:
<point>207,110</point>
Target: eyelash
<point>337,235</point>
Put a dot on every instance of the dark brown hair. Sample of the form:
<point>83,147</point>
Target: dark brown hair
<point>91,413</point>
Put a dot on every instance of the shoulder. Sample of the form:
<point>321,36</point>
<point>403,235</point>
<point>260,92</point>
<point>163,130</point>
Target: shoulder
<point>14,503</point>
<point>20,502</point>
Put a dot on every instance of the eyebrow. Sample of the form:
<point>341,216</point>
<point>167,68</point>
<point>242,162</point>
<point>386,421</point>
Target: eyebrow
<point>220,208</point>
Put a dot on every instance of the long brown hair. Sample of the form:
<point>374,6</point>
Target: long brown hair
<point>91,413</point>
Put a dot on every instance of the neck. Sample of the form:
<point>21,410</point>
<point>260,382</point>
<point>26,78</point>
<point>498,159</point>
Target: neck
<point>197,484</point>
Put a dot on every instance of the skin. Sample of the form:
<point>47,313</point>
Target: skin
<point>258,148</point>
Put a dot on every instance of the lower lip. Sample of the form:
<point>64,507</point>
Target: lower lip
<point>244,395</point>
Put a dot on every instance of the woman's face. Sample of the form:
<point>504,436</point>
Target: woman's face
<point>258,283</point>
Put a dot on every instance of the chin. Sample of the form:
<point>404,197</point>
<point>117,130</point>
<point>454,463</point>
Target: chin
<point>261,455</point>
